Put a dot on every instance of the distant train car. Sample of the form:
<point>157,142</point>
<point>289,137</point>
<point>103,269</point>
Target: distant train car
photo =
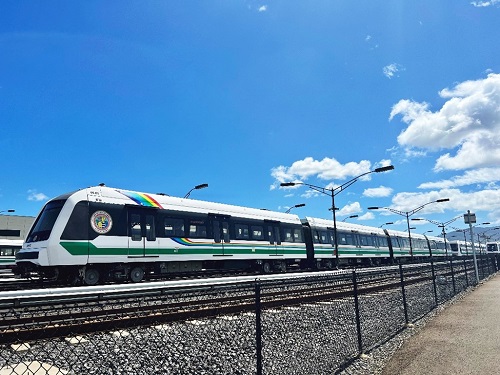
<point>102,233</point>
<point>356,243</point>
<point>8,250</point>
<point>460,248</point>
<point>492,247</point>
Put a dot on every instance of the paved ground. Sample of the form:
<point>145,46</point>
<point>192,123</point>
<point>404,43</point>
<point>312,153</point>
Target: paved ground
<point>462,339</point>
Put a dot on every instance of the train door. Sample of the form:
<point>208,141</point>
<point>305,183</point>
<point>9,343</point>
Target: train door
<point>273,233</point>
<point>141,232</point>
<point>220,228</point>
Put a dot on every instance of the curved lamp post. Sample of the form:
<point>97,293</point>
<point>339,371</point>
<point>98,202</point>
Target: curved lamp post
<point>349,217</point>
<point>407,214</point>
<point>296,206</point>
<point>332,192</point>
<point>441,225</point>
<point>197,187</point>
<point>389,223</point>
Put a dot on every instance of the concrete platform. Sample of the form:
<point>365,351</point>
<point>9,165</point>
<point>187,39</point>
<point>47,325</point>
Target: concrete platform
<point>462,339</point>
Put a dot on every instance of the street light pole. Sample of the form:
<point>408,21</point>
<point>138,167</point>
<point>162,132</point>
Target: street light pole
<point>296,206</point>
<point>197,187</point>
<point>386,224</point>
<point>332,192</point>
<point>441,225</point>
<point>349,217</point>
<point>407,214</point>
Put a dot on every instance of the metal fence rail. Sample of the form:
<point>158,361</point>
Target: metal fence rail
<point>311,325</point>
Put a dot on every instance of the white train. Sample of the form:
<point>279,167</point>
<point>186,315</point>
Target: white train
<point>103,234</point>
<point>8,250</point>
<point>493,247</point>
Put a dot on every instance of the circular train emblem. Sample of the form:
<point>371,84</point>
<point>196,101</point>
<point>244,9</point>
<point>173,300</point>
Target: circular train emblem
<point>101,222</point>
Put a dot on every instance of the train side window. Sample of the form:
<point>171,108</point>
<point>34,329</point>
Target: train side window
<point>382,242</point>
<point>197,229</point>
<point>297,235</point>
<point>150,228</point>
<point>135,227</point>
<point>315,236</point>
<point>363,240</point>
<point>173,227</point>
<point>331,237</point>
<point>323,237</point>
<point>6,252</point>
<point>288,233</point>
<point>242,232</point>
<point>342,238</point>
<point>349,239</point>
<point>257,232</point>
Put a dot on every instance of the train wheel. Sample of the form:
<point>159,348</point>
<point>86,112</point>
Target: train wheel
<point>283,266</point>
<point>91,276</point>
<point>329,265</point>
<point>266,267</point>
<point>136,274</point>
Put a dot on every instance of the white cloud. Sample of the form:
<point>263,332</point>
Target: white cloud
<point>483,4</point>
<point>367,216</point>
<point>468,123</point>
<point>350,209</point>
<point>263,8</point>
<point>392,70</point>
<point>483,200</point>
<point>33,195</point>
<point>381,191</point>
<point>476,176</point>
<point>326,169</point>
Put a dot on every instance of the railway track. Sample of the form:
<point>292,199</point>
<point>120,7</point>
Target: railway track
<point>60,315</point>
<point>8,282</point>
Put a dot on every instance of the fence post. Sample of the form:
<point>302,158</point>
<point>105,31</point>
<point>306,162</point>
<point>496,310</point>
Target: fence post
<point>356,309</point>
<point>466,276</point>
<point>258,328</point>
<point>403,291</point>
<point>436,301</point>
<point>453,278</point>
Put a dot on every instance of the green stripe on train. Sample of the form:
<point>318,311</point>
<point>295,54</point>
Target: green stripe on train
<point>86,248</point>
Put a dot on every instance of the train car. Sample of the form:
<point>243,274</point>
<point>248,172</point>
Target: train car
<point>102,233</point>
<point>438,246</point>
<point>422,246</point>
<point>8,250</point>
<point>356,243</point>
<point>492,247</point>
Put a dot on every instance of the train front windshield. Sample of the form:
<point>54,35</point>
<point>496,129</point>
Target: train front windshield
<point>45,221</point>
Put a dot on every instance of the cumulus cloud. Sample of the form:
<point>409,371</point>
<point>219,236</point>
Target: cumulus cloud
<point>392,70</point>
<point>33,195</point>
<point>325,169</point>
<point>381,191</point>
<point>468,123</point>
<point>350,209</point>
<point>481,200</point>
<point>484,4</point>
<point>263,8</point>
<point>476,176</point>
<point>367,216</point>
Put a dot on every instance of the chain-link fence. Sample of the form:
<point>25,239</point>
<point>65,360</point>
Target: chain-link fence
<point>305,325</point>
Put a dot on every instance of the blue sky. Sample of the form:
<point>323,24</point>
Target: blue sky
<point>160,96</point>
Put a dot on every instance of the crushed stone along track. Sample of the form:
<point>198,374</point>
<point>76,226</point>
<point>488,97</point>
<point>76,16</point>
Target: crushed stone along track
<point>59,316</point>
